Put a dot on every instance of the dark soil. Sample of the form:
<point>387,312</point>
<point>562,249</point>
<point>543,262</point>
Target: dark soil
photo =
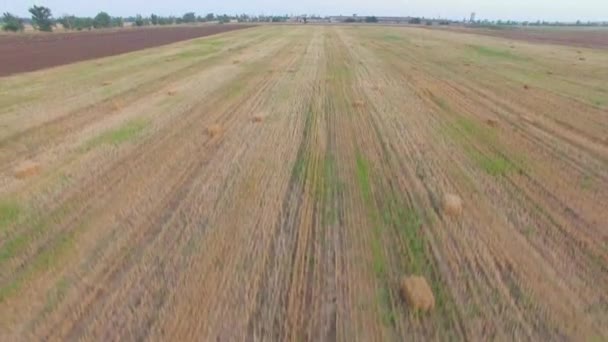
<point>29,52</point>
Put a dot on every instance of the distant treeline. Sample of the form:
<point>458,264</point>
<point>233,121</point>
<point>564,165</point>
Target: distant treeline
<point>480,23</point>
<point>42,19</point>
<point>535,23</point>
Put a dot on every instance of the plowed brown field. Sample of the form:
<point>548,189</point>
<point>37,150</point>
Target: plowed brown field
<point>277,183</point>
<point>30,52</point>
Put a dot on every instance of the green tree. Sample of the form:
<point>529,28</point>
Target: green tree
<point>223,18</point>
<point>189,17</point>
<point>68,22</point>
<point>139,20</point>
<point>154,19</point>
<point>102,20</point>
<point>371,19</point>
<point>83,23</point>
<point>42,18</point>
<point>12,23</point>
<point>210,17</point>
<point>117,22</point>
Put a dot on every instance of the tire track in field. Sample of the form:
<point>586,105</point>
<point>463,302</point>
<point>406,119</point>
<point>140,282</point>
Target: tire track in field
<point>271,300</point>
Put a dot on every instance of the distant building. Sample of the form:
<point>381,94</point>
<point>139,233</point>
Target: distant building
<point>384,20</point>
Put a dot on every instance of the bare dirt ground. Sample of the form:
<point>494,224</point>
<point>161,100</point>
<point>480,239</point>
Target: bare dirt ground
<point>278,183</point>
<point>583,37</point>
<point>29,52</point>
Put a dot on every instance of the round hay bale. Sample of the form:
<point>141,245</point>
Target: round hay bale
<point>214,130</point>
<point>27,169</point>
<point>528,119</point>
<point>257,118</point>
<point>106,83</point>
<point>358,104</point>
<point>416,291</point>
<point>116,105</point>
<point>526,86</point>
<point>492,122</point>
<point>236,61</point>
<point>171,92</point>
<point>452,205</point>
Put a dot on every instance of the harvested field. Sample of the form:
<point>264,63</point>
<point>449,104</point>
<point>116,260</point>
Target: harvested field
<point>379,153</point>
<point>29,52</point>
<point>588,37</point>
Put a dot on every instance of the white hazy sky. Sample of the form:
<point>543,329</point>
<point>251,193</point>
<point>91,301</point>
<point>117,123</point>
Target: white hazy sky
<point>562,10</point>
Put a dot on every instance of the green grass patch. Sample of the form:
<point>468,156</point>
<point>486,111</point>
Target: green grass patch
<point>236,88</point>
<point>9,213</point>
<point>126,132</point>
<point>493,53</point>
<point>408,224</point>
<point>384,298</point>
<point>587,183</point>
<point>203,49</point>
<point>43,261</point>
<point>463,128</point>
<point>331,186</point>
<point>378,258</point>
<point>392,37</point>
<point>56,295</point>
<point>299,168</point>
<point>363,178</point>
<point>439,102</point>
<point>493,165</point>
<point>15,245</point>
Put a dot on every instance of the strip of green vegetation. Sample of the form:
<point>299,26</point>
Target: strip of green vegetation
<point>331,187</point>
<point>440,102</point>
<point>126,132</point>
<point>408,223</point>
<point>299,169</point>
<point>200,48</point>
<point>587,183</point>
<point>56,295</point>
<point>400,217</point>
<point>378,259</point>
<point>390,37</point>
<point>492,163</point>
<point>363,178</point>
<point>43,261</point>
<point>488,52</point>
<point>17,244</point>
<point>9,213</point>
<point>322,172</point>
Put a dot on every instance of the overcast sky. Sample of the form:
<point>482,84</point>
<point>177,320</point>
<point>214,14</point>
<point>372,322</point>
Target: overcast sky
<point>550,10</point>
